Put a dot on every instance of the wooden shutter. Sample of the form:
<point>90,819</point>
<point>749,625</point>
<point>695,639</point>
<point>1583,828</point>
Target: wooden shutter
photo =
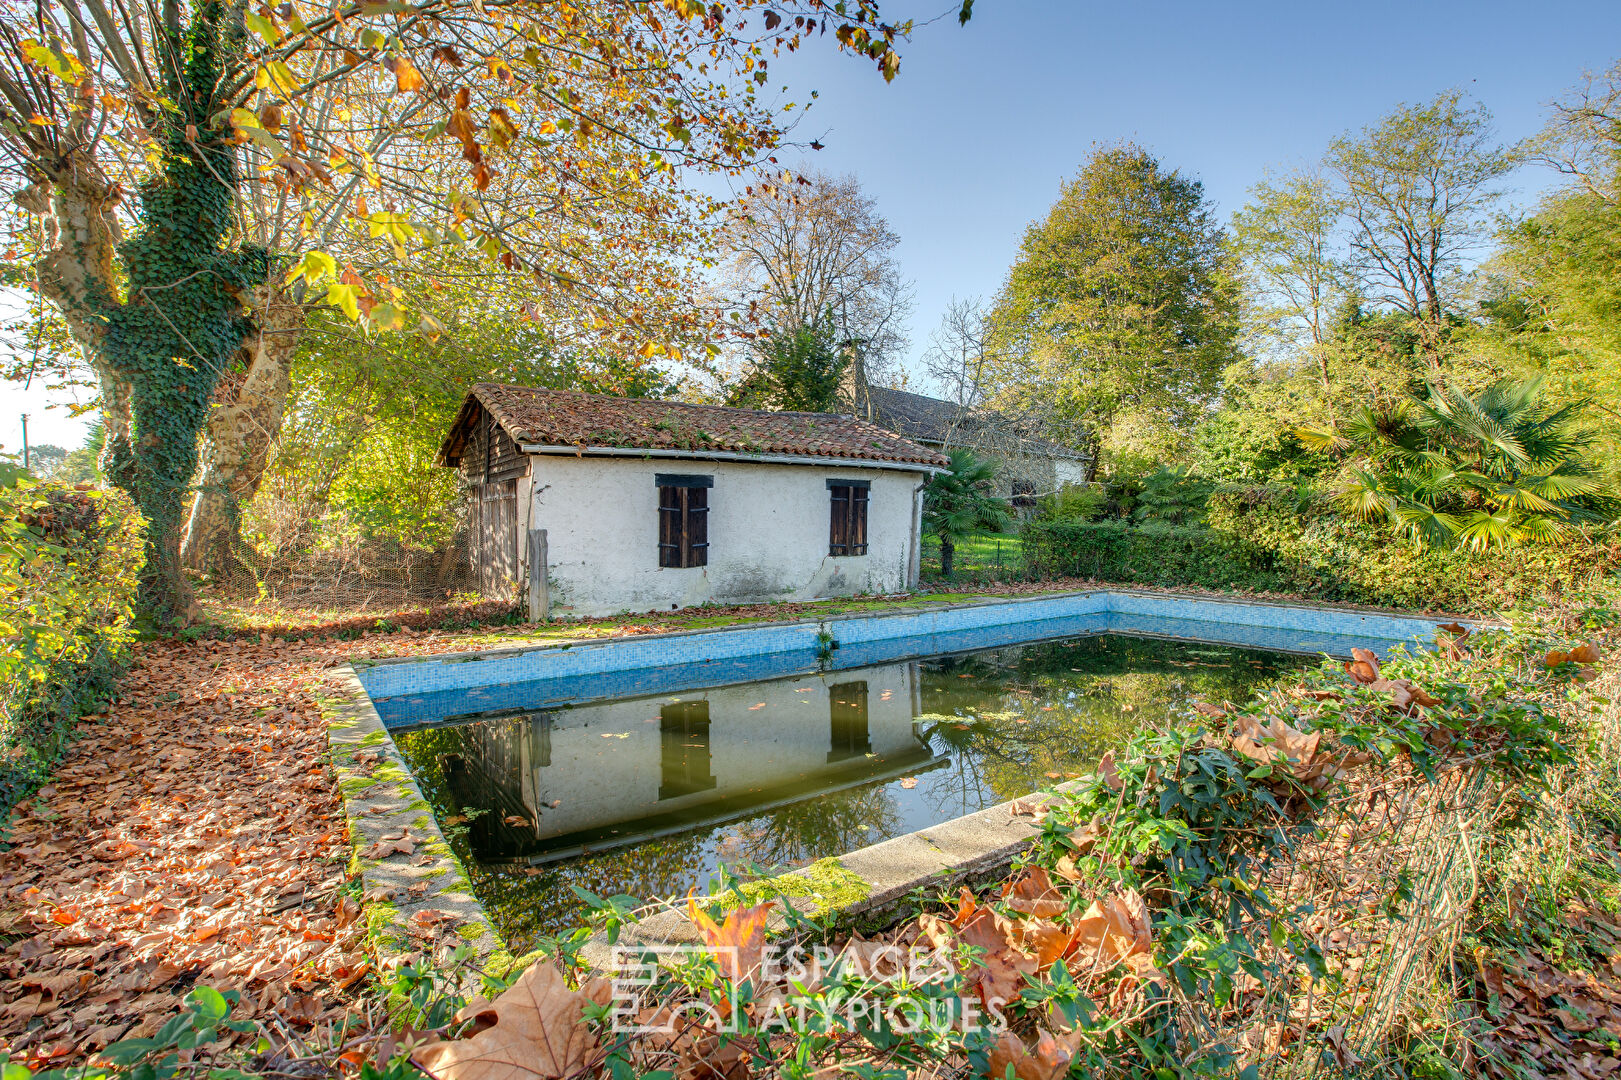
<point>683,519</point>
<point>847,522</point>
<point>695,549</point>
<point>671,511</point>
<point>858,521</point>
<point>838,541</point>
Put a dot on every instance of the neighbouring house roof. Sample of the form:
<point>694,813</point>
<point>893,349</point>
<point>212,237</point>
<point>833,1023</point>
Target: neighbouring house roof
<point>932,420</point>
<point>569,418</point>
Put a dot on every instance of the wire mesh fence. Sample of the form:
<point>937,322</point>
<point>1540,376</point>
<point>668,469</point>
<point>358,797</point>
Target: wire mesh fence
<point>1371,903</point>
<point>359,576</point>
<point>977,558</point>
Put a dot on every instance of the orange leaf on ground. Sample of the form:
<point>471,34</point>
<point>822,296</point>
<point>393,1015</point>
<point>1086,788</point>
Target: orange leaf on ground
<point>533,1031</point>
<point>741,937</point>
<point>1049,1059</point>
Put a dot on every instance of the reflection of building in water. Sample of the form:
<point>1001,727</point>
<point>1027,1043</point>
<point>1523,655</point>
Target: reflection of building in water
<point>604,775</point>
<point>851,737</point>
<point>684,727</point>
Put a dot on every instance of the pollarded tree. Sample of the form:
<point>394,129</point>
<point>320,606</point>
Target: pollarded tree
<point>1120,312</point>
<point>153,140</point>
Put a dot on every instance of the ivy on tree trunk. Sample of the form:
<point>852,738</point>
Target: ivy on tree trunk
<point>161,332</point>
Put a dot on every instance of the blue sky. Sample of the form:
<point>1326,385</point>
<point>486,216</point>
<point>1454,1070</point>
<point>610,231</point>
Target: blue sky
<point>972,140</point>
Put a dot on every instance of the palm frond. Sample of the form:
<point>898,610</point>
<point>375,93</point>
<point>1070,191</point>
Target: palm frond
<point>1425,524</point>
<point>1323,440</point>
<point>1482,531</point>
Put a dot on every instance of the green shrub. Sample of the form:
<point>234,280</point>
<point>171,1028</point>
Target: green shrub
<point>1270,538</point>
<point>1323,554</point>
<point>1149,554</point>
<point>69,560</point>
<point>1072,502</point>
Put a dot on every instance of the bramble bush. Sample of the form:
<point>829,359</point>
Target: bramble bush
<point>70,559</point>
<point>1274,538</point>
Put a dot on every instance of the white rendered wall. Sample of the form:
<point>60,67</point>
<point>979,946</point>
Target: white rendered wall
<point>1069,471</point>
<point>768,533</point>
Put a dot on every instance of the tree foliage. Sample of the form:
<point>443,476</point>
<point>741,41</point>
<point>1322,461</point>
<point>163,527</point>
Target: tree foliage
<point>1419,188</point>
<point>1120,313</point>
<point>1493,469</point>
<point>796,367</point>
<point>816,255</point>
<point>186,163</point>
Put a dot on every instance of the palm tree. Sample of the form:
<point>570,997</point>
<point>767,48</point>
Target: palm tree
<point>1492,470</point>
<point>959,502</point>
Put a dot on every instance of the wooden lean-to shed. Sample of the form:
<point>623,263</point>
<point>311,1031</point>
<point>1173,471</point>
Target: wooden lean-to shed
<point>659,504</point>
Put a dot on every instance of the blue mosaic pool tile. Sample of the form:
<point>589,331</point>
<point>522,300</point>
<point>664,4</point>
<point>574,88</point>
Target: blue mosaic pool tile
<point>412,691</point>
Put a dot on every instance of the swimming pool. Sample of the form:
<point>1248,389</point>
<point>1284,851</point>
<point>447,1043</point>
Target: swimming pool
<point>642,765</point>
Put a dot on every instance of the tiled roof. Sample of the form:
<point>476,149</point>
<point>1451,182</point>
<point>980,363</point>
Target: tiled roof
<point>936,421</point>
<point>570,418</point>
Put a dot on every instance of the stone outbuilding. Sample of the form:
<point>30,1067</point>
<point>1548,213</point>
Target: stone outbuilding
<point>653,505</point>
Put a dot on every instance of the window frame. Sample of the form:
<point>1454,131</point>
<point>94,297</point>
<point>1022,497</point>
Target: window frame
<point>847,517</point>
<point>683,520</point>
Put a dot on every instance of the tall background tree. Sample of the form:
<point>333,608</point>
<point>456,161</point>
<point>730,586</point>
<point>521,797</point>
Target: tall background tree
<point>1419,189</point>
<point>815,253</point>
<point>1285,240</point>
<point>1553,293</point>
<point>1120,312</point>
<point>150,141</point>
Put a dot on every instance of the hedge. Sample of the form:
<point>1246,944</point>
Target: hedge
<point>1277,539</point>
<point>69,560</point>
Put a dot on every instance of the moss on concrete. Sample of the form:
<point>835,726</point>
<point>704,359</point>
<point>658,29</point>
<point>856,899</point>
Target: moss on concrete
<point>821,887</point>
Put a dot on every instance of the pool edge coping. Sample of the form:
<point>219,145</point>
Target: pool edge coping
<point>822,620</point>
<point>384,801</point>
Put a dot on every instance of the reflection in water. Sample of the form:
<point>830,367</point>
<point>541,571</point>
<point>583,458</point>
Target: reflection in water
<point>849,719</point>
<point>684,729</point>
<point>650,796</point>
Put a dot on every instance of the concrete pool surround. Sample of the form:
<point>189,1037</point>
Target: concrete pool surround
<point>407,866</point>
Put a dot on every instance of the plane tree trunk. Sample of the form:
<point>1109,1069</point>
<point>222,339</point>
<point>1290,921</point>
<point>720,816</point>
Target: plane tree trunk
<point>248,407</point>
<point>159,313</point>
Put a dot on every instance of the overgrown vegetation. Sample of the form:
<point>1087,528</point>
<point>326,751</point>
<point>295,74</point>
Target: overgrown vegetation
<point>68,579</point>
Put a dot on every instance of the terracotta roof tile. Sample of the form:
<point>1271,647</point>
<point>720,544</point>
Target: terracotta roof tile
<point>570,418</point>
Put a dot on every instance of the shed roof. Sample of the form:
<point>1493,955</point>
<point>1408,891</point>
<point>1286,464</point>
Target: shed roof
<point>934,420</point>
<point>570,418</point>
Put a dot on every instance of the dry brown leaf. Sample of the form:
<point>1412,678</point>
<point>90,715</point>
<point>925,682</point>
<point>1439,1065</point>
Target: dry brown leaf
<point>1049,1059</point>
<point>1112,932</point>
<point>1107,770</point>
<point>1033,893</point>
<point>533,1031</point>
<point>1363,666</point>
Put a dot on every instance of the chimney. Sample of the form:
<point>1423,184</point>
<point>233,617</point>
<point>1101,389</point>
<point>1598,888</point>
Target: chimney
<point>853,392</point>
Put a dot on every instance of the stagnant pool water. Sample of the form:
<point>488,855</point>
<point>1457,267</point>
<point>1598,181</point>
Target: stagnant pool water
<point>649,796</point>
